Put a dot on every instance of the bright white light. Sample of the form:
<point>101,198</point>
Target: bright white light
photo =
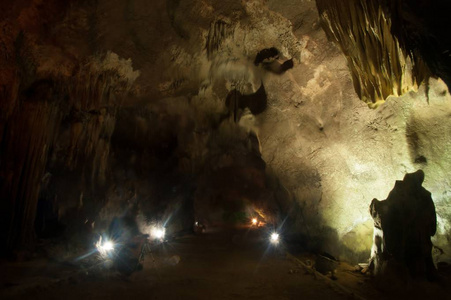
<point>254,221</point>
<point>104,247</point>
<point>158,233</point>
<point>274,238</point>
<point>107,246</point>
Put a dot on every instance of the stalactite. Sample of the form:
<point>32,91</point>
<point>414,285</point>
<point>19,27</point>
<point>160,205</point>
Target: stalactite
<point>380,66</point>
<point>219,31</point>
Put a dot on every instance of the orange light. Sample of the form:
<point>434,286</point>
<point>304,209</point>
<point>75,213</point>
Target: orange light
<point>254,221</point>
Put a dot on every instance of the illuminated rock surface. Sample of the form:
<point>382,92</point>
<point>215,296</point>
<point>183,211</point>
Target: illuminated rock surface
<point>118,102</point>
<point>379,65</point>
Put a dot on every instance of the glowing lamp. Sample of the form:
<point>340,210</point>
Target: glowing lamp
<point>104,247</point>
<point>158,233</point>
<point>274,238</point>
<point>108,246</point>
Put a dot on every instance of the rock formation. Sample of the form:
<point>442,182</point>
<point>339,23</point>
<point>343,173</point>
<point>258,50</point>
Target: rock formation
<point>379,65</point>
<point>403,226</point>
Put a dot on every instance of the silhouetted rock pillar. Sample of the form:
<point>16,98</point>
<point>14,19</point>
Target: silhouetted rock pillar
<point>404,224</point>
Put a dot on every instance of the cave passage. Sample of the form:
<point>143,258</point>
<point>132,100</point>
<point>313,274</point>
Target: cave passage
<point>221,149</point>
<point>222,263</point>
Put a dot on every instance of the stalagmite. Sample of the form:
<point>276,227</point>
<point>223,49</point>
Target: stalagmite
<point>403,226</point>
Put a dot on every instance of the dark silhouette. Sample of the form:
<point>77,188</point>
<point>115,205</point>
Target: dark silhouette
<point>404,224</point>
<point>269,59</point>
<point>266,54</point>
<point>256,102</point>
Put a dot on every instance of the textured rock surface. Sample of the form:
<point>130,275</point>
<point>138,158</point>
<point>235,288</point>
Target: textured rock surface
<point>58,108</point>
<point>315,156</point>
<point>379,65</point>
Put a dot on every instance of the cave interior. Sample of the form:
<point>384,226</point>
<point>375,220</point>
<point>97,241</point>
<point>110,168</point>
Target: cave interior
<point>327,121</point>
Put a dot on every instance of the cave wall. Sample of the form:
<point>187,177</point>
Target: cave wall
<point>316,155</point>
<point>58,110</point>
<point>336,152</point>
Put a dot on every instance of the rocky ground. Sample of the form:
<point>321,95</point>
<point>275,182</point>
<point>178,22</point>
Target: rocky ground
<point>220,264</point>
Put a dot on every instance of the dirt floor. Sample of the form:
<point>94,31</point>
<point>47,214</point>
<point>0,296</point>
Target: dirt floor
<point>221,264</point>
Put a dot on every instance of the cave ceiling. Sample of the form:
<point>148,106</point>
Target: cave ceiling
<point>306,109</point>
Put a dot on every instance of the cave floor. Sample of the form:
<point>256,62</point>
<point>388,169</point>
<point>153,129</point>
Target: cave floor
<point>221,264</point>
